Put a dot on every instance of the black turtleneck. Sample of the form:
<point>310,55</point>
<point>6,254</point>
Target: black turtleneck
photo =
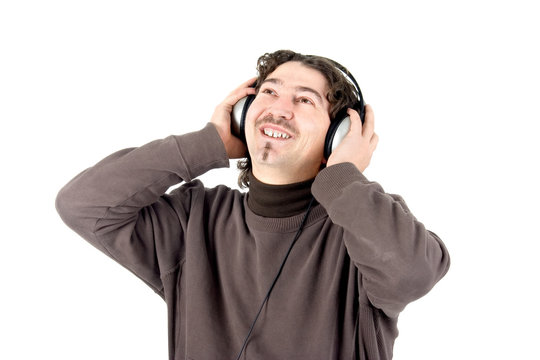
<point>278,200</point>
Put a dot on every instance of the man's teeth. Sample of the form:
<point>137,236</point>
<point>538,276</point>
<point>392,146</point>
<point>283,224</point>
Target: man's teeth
<point>275,134</point>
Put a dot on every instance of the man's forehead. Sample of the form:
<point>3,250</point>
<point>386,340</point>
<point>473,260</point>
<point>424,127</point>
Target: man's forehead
<point>300,74</point>
<point>301,78</point>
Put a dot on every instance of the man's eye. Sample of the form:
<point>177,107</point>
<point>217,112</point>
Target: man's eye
<point>268,91</point>
<point>304,100</point>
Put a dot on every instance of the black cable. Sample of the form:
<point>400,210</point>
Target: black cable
<point>275,278</point>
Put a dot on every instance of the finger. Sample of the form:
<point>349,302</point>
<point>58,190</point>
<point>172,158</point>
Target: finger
<point>248,83</point>
<point>241,93</point>
<point>356,122</point>
<point>374,142</point>
<point>238,94</point>
<point>369,122</point>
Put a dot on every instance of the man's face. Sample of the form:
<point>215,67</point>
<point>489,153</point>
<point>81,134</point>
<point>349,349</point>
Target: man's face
<point>287,122</point>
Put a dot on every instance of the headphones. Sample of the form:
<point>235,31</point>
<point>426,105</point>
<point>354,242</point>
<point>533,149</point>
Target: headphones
<point>339,125</point>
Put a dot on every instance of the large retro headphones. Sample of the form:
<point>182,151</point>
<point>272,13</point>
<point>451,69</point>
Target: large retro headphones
<point>339,125</point>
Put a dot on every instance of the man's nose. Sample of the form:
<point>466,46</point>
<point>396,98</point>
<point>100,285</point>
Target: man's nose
<point>282,108</point>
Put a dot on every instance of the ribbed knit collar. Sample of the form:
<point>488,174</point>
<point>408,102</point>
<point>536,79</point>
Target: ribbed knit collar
<point>278,201</point>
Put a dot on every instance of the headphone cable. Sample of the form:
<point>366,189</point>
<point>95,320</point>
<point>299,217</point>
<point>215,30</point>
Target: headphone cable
<point>276,278</point>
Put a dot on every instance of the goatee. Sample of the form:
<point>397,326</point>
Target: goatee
<point>267,148</point>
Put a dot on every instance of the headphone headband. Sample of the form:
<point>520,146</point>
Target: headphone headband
<point>349,76</point>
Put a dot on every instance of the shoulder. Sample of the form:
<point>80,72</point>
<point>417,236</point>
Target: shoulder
<point>196,191</point>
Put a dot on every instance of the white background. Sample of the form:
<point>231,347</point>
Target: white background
<point>454,86</point>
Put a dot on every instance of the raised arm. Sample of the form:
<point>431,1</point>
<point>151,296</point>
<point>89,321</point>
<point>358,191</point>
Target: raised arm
<point>399,259</point>
<point>119,206</point>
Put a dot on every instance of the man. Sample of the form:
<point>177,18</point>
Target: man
<point>223,261</point>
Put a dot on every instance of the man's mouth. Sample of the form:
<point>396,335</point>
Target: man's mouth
<point>275,128</point>
<point>275,134</point>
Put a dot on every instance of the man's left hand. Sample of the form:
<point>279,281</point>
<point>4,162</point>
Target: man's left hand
<point>360,142</point>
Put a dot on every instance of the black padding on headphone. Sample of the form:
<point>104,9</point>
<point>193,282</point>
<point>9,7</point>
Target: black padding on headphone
<point>249,100</point>
<point>339,125</point>
<point>238,116</point>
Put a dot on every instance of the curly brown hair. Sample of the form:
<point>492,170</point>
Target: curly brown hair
<point>341,94</point>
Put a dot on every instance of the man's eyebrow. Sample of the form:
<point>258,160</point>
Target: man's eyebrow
<point>310,90</point>
<point>298,88</point>
<point>273,80</point>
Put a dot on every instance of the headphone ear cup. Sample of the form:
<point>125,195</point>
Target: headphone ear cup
<point>339,127</point>
<point>238,117</point>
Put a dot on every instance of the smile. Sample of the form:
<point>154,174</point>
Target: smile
<point>275,134</point>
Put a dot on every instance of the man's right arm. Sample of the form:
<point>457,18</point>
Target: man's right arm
<point>119,207</point>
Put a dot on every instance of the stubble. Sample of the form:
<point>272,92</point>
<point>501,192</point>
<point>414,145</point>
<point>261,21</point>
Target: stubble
<point>267,148</point>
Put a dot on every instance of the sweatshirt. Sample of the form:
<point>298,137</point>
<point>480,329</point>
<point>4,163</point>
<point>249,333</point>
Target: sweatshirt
<point>359,260</point>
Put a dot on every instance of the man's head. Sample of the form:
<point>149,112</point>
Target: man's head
<point>297,96</point>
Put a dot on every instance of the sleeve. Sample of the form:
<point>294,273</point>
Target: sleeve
<point>400,261</point>
<point>120,204</point>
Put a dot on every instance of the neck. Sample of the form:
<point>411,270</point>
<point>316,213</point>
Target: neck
<point>277,201</point>
<point>269,175</point>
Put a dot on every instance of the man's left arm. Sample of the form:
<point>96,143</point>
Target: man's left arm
<point>399,259</point>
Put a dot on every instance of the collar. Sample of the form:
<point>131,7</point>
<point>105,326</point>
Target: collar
<point>278,201</point>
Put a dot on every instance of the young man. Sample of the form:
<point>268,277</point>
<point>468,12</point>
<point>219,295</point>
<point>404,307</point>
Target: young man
<point>359,255</point>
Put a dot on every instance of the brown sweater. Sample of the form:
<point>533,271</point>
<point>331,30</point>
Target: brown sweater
<point>360,259</point>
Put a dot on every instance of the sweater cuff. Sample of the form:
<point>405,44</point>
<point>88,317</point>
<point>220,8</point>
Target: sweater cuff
<point>202,151</point>
<point>330,182</point>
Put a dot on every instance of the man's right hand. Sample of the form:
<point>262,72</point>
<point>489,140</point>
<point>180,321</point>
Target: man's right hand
<point>222,120</point>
